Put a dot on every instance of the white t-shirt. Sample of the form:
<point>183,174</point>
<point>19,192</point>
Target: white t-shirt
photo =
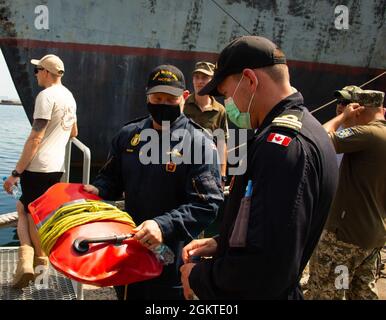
<point>56,104</point>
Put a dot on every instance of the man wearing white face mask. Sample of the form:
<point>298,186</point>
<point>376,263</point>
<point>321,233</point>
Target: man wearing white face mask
<point>277,209</point>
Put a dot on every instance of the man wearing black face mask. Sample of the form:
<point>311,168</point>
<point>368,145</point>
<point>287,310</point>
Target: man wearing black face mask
<point>171,201</point>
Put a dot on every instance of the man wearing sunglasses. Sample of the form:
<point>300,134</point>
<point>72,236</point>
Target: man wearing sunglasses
<point>344,97</point>
<point>41,163</point>
<point>344,262</point>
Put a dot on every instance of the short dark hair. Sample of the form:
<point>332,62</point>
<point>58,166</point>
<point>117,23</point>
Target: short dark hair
<point>277,72</point>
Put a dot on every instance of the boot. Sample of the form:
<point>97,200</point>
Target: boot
<point>41,265</point>
<point>41,261</point>
<point>24,271</point>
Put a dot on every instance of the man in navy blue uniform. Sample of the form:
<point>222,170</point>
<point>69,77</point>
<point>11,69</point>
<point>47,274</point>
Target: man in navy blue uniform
<point>269,231</point>
<point>171,192</point>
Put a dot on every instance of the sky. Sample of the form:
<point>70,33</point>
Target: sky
<point>7,88</point>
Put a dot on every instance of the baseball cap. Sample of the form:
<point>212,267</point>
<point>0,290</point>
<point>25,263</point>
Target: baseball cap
<point>166,78</point>
<point>243,52</point>
<point>369,98</point>
<point>205,68</point>
<point>346,92</point>
<point>51,63</point>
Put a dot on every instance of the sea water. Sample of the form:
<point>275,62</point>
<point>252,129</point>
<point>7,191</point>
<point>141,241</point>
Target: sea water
<point>14,130</point>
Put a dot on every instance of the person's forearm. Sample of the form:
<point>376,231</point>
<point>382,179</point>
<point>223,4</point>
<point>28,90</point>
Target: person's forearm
<point>333,124</point>
<point>223,159</point>
<point>223,170</point>
<point>74,131</point>
<point>29,151</point>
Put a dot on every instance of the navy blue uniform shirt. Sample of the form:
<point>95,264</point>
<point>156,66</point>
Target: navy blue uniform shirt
<point>294,176</point>
<point>183,199</point>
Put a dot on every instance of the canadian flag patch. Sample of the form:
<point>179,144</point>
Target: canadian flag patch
<point>279,139</point>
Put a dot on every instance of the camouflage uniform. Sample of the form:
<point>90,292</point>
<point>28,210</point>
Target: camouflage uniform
<point>344,263</point>
<point>327,267</point>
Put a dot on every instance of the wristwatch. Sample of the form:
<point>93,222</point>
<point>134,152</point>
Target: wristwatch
<point>224,178</point>
<point>15,174</point>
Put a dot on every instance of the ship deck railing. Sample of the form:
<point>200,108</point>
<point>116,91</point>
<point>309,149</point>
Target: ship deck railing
<point>53,285</point>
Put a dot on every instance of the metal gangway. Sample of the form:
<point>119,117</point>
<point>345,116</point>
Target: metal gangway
<point>52,285</point>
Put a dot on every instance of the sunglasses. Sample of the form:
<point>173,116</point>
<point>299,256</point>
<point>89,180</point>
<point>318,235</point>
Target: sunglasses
<point>344,102</point>
<point>36,70</point>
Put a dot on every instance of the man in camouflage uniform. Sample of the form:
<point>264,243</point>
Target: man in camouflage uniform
<point>344,262</point>
<point>344,97</point>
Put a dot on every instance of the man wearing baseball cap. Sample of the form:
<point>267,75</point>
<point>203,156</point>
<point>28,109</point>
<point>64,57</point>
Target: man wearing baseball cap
<point>207,111</point>
<point>277,209</point>
<point>355,230</point>
<point>344,97</point>
<point>172,201</point>
<point>41,163</point>
<point>51,63</point>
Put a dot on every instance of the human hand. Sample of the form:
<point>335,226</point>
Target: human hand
<point>340,108</point>
<point>185,273</point>
<point>91,189</point>
<point>9,183</point>
<point>149,234</point>
<point>352,110</point>
<point>200,247</point>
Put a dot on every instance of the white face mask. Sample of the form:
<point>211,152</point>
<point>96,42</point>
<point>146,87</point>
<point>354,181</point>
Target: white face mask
<point>240,119</point>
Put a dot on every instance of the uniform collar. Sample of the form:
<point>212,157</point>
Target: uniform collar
<point>180,122</point>
<point>295,99</point>
<point>213,106</point>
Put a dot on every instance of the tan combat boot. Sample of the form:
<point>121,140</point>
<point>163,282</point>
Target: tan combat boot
<point>41,265</point>
<point>24,271</point>
<point>41,261</point>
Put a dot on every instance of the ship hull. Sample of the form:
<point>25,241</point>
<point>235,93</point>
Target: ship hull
<point>108,75</point>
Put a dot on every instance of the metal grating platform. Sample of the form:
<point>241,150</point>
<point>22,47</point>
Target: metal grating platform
<point>57,286</point>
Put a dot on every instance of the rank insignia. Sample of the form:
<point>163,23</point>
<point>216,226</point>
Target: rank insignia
<point>171,167</point>
<point>345,133</point>
<point>292,121</point>
<point>135,140</point>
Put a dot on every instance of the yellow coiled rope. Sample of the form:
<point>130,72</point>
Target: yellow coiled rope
<point>77,214</point>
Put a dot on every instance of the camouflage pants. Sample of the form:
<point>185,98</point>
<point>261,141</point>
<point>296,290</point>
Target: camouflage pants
<point>341,270</point>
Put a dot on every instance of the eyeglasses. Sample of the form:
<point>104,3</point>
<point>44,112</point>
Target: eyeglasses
<point>36,70</point>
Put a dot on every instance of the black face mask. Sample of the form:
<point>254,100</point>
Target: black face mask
<point>164,112</point>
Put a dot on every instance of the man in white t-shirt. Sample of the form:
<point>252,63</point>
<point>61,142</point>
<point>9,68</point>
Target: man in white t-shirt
<point>41,163</point>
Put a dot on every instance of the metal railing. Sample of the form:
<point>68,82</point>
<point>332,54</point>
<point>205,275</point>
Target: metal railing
<point>86,160</point>
<point>85,180</point>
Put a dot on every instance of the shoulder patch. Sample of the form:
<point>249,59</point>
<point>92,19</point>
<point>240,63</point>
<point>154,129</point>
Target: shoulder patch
<point>291,119</point>
<point>135,140</point>
<point>345,133</point>
<point>280,139</point>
